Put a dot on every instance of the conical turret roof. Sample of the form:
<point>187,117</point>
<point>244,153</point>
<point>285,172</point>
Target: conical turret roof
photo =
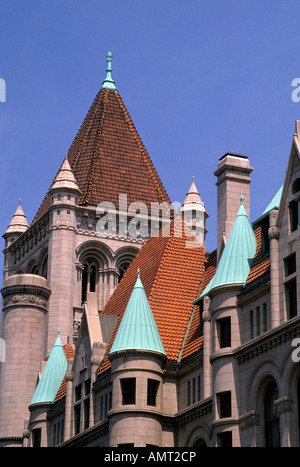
<point>235,262</point>
<point>108,157</point>
<point>138,329</point>
<point>19,223</point>
<point>65,179</point>
<point>192,195</point>
<point>52,375</point>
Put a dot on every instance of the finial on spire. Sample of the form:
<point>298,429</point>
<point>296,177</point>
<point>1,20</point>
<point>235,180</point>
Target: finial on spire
<point>242,199</point>
<point>108,83</point>
<point>138,273</point>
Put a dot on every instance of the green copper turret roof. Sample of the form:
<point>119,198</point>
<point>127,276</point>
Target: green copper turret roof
<point>109,83</point>
<point>138,329</point>
<point>274,204</point>
<point>235,262</point>
<point>52,375</point>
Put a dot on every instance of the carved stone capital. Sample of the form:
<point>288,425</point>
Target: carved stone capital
<point>206,316</point>
<point>69,375</point>
<point>274,233</point>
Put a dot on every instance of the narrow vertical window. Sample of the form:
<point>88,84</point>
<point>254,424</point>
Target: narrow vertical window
<point>272,431</point>
<point>152,391</point>
<point>199,389</point>
<point>257,321</point>
<point>224,332</point>
<point>251,324</point>
<point>265,318</point>
<point>293,215</point>
<point>77,409</point>
<point>224,403</point>
<point>291,298</point>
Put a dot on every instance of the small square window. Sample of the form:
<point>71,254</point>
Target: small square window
<point>128,390</point>
<point>225,439</point>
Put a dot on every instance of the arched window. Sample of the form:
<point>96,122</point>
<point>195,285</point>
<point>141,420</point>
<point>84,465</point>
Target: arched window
<point>200,443</point>
<point>122,270</point>
<point>34,270</point>
<point>44,267</point>
<point>272,428</point>
<point>124,258</point>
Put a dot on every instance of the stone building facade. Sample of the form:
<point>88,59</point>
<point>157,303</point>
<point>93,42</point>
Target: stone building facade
<point>147,339</point>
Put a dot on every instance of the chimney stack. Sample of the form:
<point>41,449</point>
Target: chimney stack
<point>233,180</point>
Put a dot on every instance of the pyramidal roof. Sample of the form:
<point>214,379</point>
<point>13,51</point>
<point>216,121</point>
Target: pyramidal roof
<point>108,157</point>
<point>138,329</point>
<point>52,375</point>
<point>235,262</point>
<point>19,223</point>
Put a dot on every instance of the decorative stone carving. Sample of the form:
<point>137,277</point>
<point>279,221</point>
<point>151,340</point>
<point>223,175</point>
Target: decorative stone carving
<point>285,404</point>
<point>25,300</point>
<point>249,420</point>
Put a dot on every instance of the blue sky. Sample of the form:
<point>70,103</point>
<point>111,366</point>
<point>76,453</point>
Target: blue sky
<point>199,79</point>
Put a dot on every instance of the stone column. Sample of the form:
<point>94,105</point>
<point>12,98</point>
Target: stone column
<point>69,400</point>
<point>274,233</point>
<point>206,317</point>
<point>98,352</point>
<point>284,406</point>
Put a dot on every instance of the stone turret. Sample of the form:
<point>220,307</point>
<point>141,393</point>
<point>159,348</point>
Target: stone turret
<point>18,225</point>
<point>137,358</point>
<point>24,311</point>
<point>64,194</point>
<point>194,213</point>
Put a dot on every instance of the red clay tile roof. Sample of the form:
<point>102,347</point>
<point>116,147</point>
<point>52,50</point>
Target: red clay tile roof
<point>194,338</point>
<point>171,275</point>
<point>108,158</point>
<point>260,265</point>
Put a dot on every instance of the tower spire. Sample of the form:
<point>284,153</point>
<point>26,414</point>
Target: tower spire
<point>109,83</point>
